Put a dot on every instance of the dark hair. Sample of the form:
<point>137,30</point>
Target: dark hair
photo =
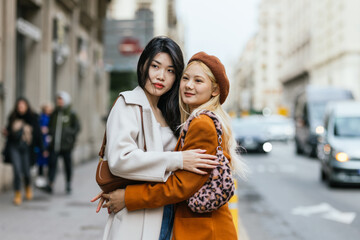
<point>28,116</point>
<point>169,102</point>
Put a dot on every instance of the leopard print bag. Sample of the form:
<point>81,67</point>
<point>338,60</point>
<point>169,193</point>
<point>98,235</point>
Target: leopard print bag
<point>219,187</point>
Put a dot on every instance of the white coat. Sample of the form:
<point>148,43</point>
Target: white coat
<point>124,152</point>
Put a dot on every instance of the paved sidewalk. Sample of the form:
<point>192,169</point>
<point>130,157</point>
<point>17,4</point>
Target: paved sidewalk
<point>60,216</point>
<point>57,216</point>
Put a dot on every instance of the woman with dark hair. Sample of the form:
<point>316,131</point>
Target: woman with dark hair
<point>168,102</point>
<point>23,136</point>
<point>141,133</point>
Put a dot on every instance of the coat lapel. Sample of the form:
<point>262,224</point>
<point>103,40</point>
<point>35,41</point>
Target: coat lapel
<point>151,126</point>
<point>152,131</point>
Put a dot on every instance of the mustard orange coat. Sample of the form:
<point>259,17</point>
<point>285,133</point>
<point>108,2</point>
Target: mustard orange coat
<point>216,225</point>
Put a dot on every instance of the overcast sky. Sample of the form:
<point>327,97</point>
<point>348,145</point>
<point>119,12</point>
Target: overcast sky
<point>218,27</point>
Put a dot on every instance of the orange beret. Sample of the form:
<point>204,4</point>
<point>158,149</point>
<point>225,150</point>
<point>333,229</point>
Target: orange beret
<point>218,69</point>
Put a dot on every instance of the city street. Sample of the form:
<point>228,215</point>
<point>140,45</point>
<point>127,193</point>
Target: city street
<point>285,199</point>
<point>288,70</point>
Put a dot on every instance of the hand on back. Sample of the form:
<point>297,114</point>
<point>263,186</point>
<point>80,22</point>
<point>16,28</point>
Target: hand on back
<point>197,161</point>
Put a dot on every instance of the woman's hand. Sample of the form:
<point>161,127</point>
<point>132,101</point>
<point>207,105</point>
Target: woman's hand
<point>115,200</point>
<point>195,159</point>
<point>101,202</point>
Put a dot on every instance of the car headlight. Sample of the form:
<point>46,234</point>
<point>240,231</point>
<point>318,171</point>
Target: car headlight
<point>267,147</point>
<point>342,157</point>
<point>319,130</point>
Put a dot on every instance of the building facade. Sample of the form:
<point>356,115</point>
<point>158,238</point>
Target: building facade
<point>52,45</point>
<point>267,88</point>
<point>300,43</point>
<point>322,46</point>
<point>129,27</point>
<point>243,88</point>
<point>165,21</point>
<point>257,75</point>
<point>335,44</point>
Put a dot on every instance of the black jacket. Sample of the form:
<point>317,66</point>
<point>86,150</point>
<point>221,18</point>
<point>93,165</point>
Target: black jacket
<point>15,137</point>
<point>64,127</point>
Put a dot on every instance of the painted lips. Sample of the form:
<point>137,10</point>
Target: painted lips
<point>158,85</point>
<point>188,94</point>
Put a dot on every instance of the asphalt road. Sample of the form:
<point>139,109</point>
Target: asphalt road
<point>282,199</point>
<point>285,199</point>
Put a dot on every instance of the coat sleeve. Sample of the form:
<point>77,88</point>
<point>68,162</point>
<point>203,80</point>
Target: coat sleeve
<point>182,184</point>
<point>125,157</point>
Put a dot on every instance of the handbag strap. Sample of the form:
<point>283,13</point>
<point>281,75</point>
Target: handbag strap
<point>217,126</point>
<point>103,145</point>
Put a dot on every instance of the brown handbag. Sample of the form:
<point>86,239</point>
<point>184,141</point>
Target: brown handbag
<point>104,178</point>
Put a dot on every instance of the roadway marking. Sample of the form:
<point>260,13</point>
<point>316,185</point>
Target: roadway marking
<point>233,207</point>
<point>327,212</point>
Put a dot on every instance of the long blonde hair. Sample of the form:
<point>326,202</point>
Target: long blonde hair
<point>214,106</point>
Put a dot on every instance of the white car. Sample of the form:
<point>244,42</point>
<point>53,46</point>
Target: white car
<point>280,128</point>
<point>340,152</point>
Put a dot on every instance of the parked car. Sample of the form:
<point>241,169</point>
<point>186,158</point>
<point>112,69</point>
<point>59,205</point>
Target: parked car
<point>251,134</point>
<point>340,158</point>
<point>280,128</point>
<point>309,115</point>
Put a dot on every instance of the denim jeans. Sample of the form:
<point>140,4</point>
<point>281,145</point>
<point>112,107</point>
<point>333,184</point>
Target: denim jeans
<point>167,222</point>
<point>20,157</point>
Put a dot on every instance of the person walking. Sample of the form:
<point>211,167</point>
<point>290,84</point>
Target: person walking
<point>203,88</point>
<point>23,136</point>
<point>159,71</point>
<point>43,160</point>
<point>64,127</point>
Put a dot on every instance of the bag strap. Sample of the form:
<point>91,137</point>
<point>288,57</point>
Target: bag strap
<point>103,145</point>
<point>217,126</point>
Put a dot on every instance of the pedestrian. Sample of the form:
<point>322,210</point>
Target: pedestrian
<point>204,87</point>
<point>42,160</point>
<point>64,127</point>
<point>159,71</point>
<point>23,136</point>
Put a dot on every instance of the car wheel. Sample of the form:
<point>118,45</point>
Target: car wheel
<point>298,148</point>
<point>331,183</point>
<point>313,152</point>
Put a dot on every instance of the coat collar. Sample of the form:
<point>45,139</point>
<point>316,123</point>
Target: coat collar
<point>152,135</point>
<point>136,96</point>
